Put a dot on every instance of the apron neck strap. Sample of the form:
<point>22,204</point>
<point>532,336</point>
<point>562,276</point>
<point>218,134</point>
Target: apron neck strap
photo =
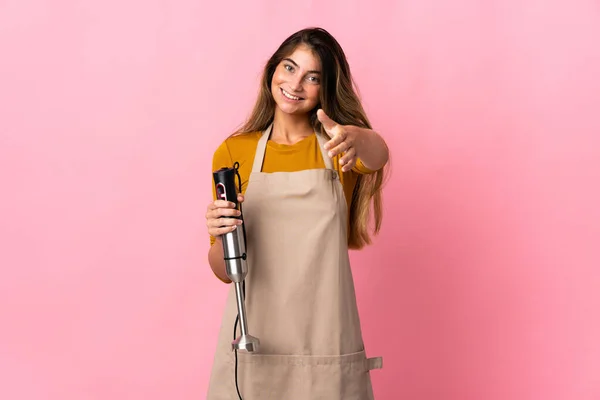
<point>261,148</point>
<point>326,159</point>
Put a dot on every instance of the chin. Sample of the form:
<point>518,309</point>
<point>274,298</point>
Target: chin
<point>286,109</point>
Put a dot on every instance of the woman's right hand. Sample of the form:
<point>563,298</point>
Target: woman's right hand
<point>216,217</point>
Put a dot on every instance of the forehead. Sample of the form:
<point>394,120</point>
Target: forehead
<point>305,58</point>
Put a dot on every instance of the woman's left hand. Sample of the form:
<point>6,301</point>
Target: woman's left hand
<point>344,139</point>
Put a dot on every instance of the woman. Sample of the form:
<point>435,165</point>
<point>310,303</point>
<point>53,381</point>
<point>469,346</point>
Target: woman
<point>310,166</point>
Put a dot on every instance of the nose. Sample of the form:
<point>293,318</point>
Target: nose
<point>296,83</point>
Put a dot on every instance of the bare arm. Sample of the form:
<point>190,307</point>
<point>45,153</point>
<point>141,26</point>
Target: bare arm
<point>354,143</point>
<point>371,148</point>
<point>215,259</point>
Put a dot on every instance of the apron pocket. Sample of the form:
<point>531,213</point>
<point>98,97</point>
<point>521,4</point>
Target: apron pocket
<point>299,377</point>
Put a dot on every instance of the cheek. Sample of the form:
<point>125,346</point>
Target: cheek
<point>277,77</point>
<point>313,93</point>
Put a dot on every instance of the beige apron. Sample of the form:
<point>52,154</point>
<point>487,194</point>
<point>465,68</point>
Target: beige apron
<point>299,294</point>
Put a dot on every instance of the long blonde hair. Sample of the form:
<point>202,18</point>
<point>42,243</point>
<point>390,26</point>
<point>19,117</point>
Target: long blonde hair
<point>341,103</point>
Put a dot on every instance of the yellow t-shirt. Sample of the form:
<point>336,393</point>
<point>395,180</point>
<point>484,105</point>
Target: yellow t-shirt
<point>303,155</point>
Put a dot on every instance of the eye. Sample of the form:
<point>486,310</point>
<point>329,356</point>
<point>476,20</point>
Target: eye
<point>313,79</point>
<point>288,67</point>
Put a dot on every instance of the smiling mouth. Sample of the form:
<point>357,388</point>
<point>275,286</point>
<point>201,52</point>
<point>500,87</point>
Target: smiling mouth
<point>290,96</point>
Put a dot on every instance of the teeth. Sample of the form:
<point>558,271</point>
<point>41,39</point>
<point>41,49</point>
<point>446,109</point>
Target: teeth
<point>289,96</point>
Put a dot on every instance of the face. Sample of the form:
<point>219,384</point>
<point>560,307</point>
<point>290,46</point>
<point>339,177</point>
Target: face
<point>297,81</point>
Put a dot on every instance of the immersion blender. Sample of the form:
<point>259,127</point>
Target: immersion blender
<point>234,250</point>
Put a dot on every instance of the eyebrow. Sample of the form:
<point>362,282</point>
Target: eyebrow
<point>293,62</point>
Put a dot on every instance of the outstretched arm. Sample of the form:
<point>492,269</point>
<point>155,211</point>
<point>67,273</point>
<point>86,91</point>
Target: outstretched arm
<point>356,143</point>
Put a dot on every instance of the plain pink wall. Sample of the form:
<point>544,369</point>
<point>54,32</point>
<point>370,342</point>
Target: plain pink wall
<point>484,283</point>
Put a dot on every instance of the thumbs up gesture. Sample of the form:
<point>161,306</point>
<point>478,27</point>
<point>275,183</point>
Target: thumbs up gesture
<point>343,140</point>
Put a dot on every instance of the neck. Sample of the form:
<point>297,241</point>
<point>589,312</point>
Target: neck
<point>290,129</point>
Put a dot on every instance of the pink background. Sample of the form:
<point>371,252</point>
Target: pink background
<point>484,284</point>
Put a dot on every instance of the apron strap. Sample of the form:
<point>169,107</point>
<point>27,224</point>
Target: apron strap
<point>261,148</point>
<point>374,363</point>
<point>328,161</point>
<point>259,156</point>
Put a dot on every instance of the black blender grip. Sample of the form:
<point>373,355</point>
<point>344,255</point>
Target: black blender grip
<point>225,185</point>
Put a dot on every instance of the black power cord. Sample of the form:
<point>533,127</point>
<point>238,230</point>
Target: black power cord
<point>236,166</point>
<point>236,356</point>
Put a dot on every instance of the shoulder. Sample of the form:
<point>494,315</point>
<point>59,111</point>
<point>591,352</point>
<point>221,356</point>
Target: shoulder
<point>243,140</point>
<point>238,148</point>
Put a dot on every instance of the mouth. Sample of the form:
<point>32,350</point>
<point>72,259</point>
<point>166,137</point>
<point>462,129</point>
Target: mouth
<point>290,96</point>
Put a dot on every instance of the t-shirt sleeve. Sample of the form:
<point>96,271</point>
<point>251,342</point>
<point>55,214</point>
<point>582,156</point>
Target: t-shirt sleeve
<point>360,168</point>
<point>221,159</point>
